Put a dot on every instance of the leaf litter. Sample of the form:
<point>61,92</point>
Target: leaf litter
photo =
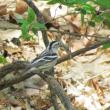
<point>85,78</point>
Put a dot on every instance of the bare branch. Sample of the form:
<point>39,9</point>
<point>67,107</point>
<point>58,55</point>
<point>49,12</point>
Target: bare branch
<point>12,67</point>
<point>58,90</point>
<point>83,50</point>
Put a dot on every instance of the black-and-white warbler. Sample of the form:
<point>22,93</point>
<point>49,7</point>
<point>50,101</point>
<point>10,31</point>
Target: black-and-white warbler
<point>48,58</point>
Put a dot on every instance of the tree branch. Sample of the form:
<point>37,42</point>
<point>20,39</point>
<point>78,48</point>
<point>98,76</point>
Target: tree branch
<point>13,67</point>
<point>21,64</point>
<point>83,50</point>
<point>58,90</point>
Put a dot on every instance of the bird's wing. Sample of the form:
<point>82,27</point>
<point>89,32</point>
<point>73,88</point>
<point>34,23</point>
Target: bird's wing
<point>44,60</point>
<point>41,55</point>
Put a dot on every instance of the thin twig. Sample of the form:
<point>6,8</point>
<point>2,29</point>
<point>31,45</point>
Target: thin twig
<point>78,34</point>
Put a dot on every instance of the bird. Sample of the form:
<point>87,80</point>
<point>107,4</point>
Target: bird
<point>48,58</point>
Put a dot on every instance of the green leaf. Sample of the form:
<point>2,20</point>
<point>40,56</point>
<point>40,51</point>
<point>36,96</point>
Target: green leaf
<point>106,18</point>
<point>98,18</point>
<point>91,23</point>
<point>79,1</point>
<point>37,26</point>
<point>88,8</point>
<point>107,45</point>
<point>106,15</point>
<point>67,2</point>
<point>31,15</point>
<point>83,11</point>
<point>27,37</point>
<point>103,3</point>
<point>53,1</point>
<point>25,27</point>
<point>25,30</point>
<point>82,18</point>
<point>107,22</point>
<point>2,59</point>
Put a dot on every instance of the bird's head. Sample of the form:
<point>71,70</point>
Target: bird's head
<point>54,45</point>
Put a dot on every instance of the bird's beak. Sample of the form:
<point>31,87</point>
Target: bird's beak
<point>65,47</point>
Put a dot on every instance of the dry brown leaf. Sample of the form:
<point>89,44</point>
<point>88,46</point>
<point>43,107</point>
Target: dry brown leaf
<point>70,19</point>
<point>40,102</point>
<point>12,50</point>
<point>3,9</point>
<point>21,6</point>
<point>98,88</point>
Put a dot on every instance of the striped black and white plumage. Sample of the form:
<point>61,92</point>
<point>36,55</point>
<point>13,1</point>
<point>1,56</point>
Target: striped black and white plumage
<point>48,58</point>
